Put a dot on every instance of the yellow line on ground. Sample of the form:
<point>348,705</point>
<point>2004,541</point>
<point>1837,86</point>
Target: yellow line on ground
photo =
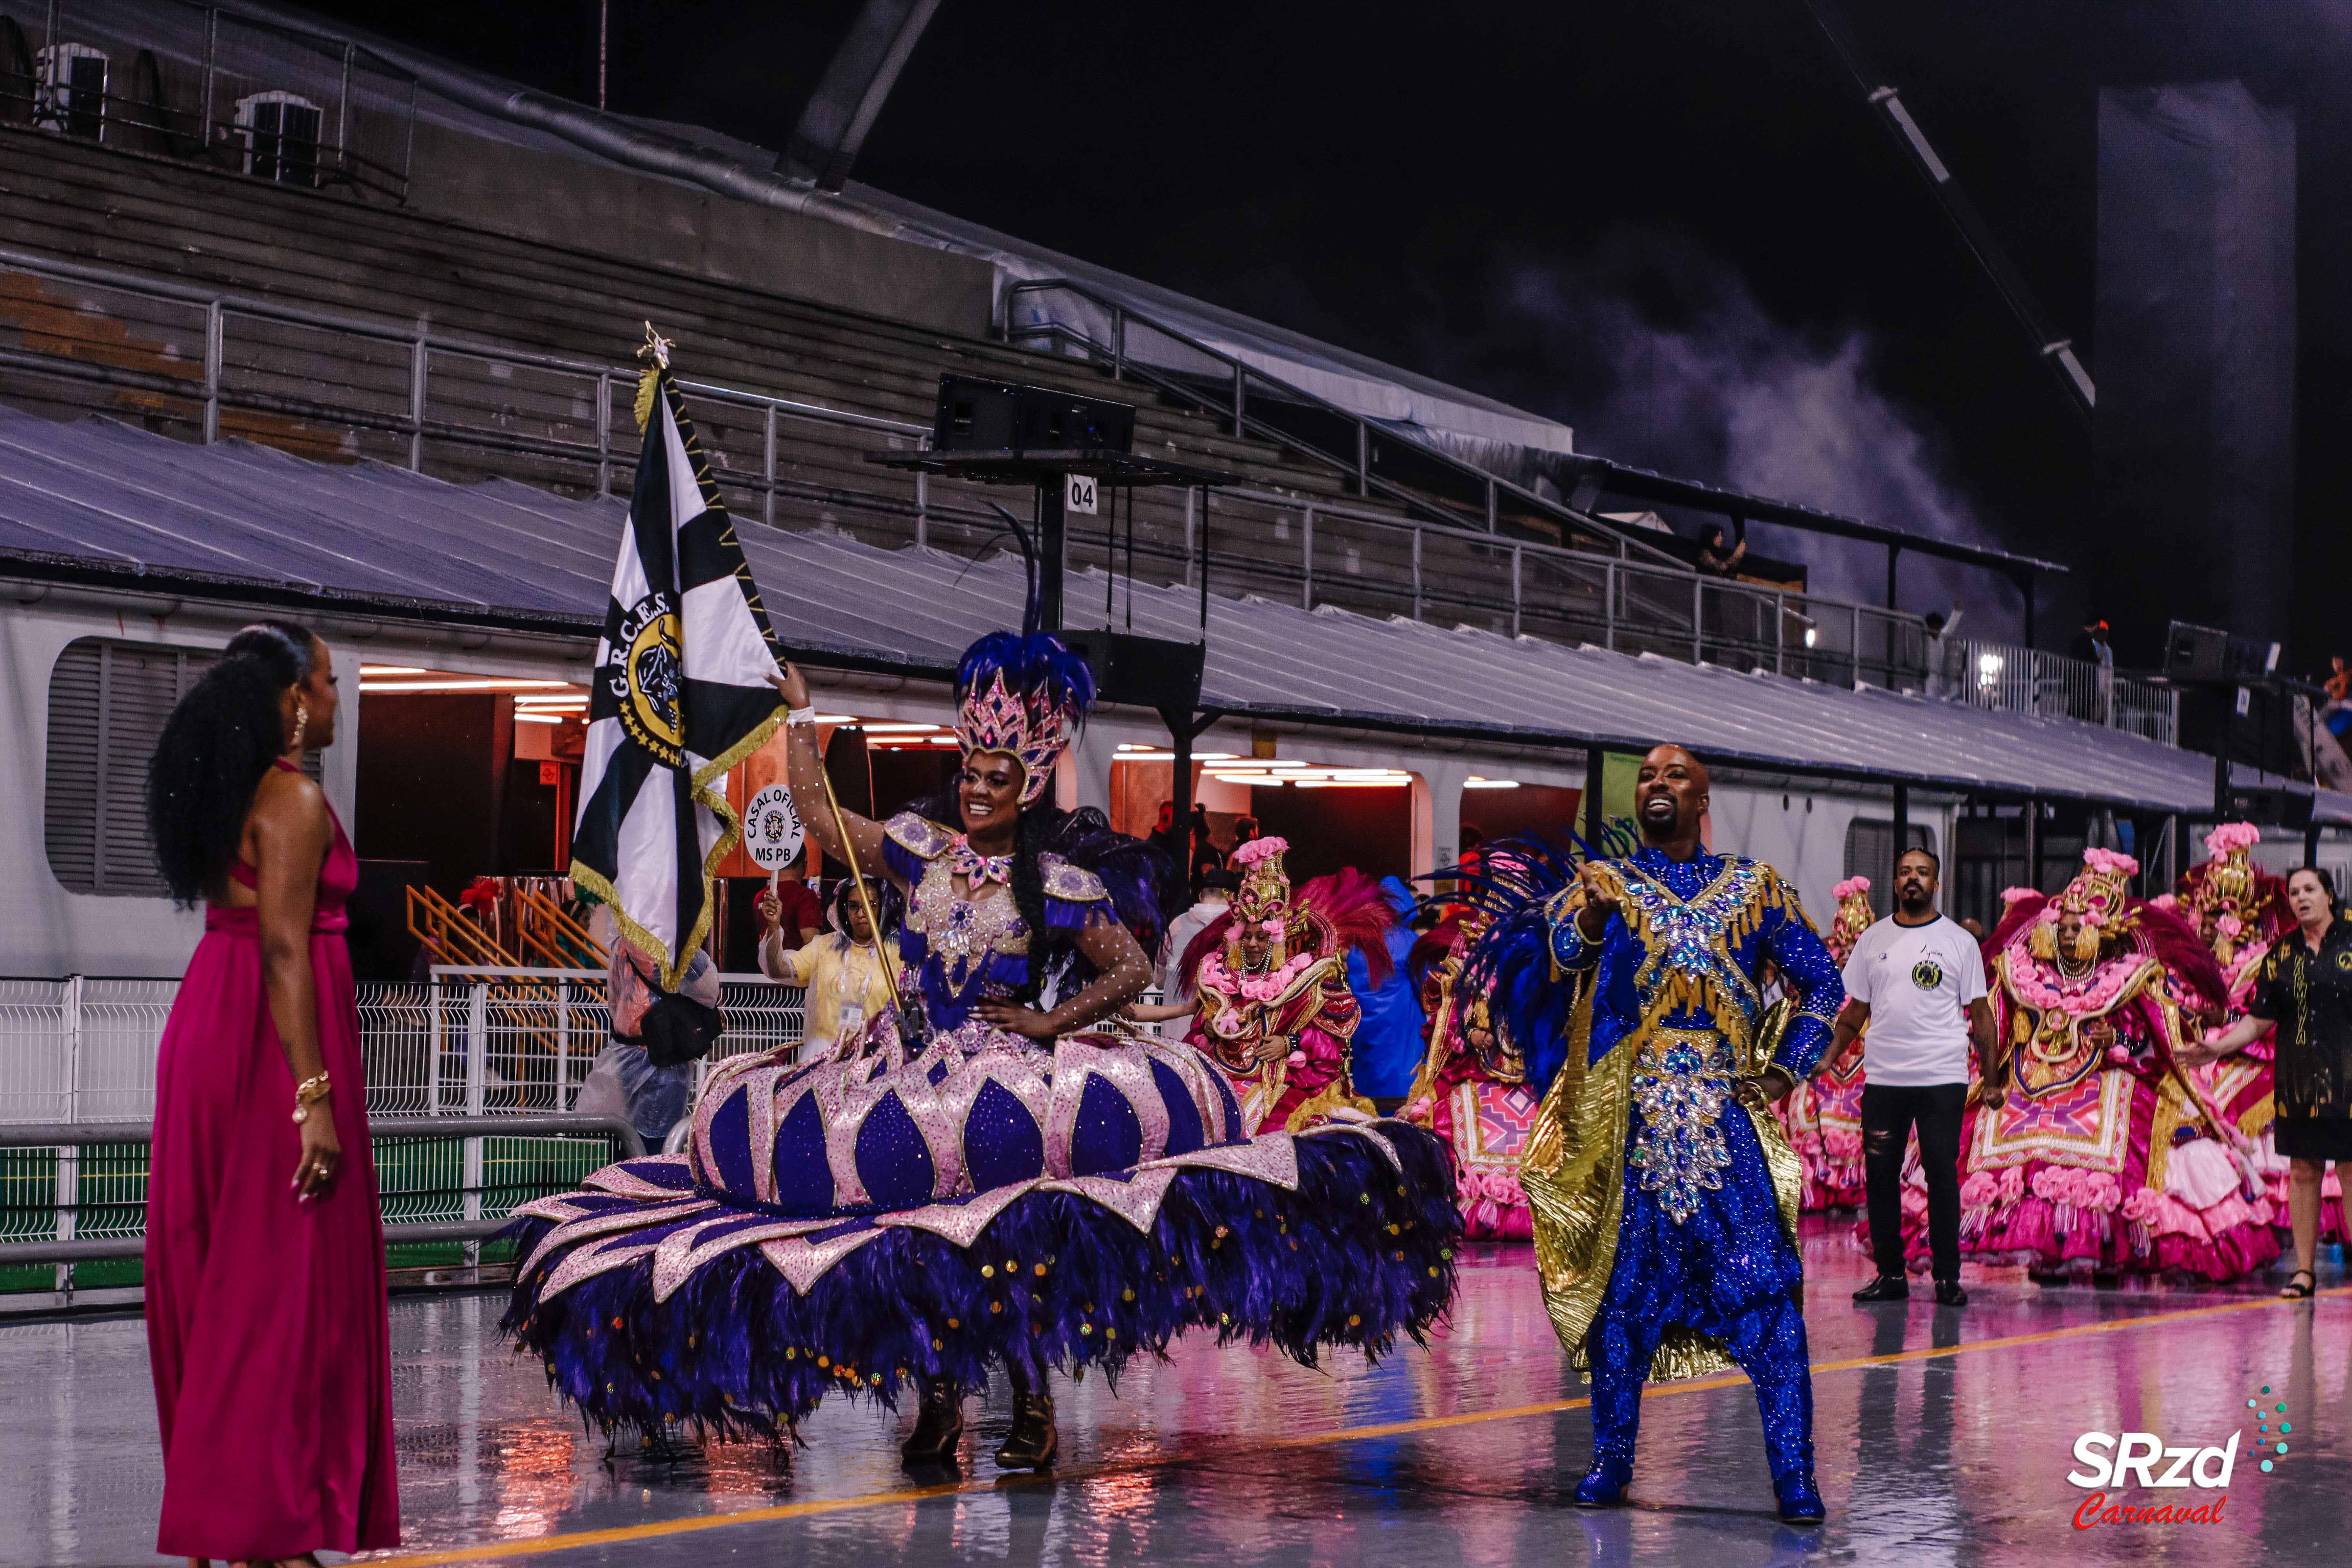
<point>536,1546</point>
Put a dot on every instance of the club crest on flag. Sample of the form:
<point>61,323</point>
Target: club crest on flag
<point>646,677</point>
<point>681,694</point>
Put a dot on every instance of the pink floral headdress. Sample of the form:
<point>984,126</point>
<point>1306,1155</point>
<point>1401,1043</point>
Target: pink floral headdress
<point>1263,901</point>
<point>2227,893</point>
<point>2100,894</point>
<point>1258,849</point>
<point>2231,838</point>
<point>1853,915</point>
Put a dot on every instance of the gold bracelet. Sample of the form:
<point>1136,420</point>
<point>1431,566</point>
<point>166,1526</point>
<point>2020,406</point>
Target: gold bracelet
<point>307,1093</point>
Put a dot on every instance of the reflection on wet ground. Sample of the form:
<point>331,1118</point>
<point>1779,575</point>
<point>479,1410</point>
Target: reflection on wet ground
<point>1943,1437</point>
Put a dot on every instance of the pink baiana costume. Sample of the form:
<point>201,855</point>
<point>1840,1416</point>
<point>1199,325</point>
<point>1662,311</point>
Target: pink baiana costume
<point>1472,1090</point>
<point>1822,1115</point>
<point>2105,1160</point>
<point>1296,993</point>
<point>2242,912</point>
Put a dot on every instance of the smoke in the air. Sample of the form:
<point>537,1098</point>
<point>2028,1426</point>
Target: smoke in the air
<point>1664,359</point>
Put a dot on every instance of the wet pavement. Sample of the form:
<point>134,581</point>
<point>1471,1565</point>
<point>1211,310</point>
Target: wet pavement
<point>1943,1436</point>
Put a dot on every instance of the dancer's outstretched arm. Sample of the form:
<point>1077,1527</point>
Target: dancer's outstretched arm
<point>804,776</point>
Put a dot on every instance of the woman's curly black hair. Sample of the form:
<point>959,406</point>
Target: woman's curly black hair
<point>1128,868</point>
<point>215,748</point>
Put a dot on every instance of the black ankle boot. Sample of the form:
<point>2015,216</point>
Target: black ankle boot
<point>1032,1442</point>
<point>939,1425</point>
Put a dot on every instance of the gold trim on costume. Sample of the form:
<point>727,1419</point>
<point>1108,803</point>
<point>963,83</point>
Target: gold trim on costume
<point>1574,1166</point>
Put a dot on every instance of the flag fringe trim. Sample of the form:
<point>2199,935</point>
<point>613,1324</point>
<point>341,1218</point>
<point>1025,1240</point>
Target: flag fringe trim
<point>731,835</point>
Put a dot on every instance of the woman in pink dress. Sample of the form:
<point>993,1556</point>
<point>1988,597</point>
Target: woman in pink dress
<point>266,1322</point>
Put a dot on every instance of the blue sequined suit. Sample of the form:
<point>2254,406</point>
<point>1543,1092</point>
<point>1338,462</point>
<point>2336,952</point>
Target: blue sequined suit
<point>1700,1243</point>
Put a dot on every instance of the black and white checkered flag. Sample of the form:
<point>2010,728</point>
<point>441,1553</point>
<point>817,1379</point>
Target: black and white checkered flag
<point>681,694</point>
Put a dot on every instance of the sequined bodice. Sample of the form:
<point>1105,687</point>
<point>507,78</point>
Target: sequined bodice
<point>960,947</point>
<point>1689,907</point>
<point>960,932</point>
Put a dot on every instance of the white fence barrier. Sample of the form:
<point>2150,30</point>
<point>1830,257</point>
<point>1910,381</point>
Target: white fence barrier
<point>470,1042</point>
<point>466,1042</point>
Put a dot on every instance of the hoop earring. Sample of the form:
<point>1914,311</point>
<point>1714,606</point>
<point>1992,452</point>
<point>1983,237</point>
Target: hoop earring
<point>301,722</point>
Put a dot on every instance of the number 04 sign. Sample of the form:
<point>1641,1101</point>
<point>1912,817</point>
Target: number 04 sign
<point>1078,493</point>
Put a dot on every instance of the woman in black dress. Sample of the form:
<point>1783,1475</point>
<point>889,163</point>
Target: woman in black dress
<point>2305,990</point>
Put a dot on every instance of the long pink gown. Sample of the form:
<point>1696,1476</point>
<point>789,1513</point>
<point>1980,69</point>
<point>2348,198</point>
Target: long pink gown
<point>266,1321</point>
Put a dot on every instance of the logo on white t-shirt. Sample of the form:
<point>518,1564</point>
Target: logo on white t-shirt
<point>1926,975</point>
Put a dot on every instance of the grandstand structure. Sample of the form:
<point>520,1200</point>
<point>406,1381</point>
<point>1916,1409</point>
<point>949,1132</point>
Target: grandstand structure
<point>225,227</point>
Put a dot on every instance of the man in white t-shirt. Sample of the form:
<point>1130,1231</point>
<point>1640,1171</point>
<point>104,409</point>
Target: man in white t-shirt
<point>1917,981</point>
<point>1216,888</point>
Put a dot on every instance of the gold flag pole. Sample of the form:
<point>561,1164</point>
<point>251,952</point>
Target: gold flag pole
<point>856,873</point>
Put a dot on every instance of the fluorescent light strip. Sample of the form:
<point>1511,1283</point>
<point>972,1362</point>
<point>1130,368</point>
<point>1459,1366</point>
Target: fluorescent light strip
<point>367,669</point>
<point>538,718</point>
<point>1170,756</point>
<point>1490,784</point>
<point>893,727</point>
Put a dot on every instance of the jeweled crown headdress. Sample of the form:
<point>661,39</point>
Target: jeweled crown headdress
<point>1853,915</point>
<point>1022,694</point>
<point>2227,896</point>
<point>2100,893</point>
<point>1263,901</point>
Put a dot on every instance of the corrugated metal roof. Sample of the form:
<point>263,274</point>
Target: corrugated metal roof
<point>97,497</point>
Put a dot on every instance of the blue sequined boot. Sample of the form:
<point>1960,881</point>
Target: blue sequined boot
<point>1800,1501</point>
<point>1604,1484</point>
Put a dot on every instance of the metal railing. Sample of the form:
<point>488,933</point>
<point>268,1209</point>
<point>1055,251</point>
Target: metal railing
<point>2013,679</point>
<point>471,1208</point>
<point>206,85</point>
<point>329,386</point>
<point>503,1050</point>
<point>1375,457</point>
<point>1327,553</point>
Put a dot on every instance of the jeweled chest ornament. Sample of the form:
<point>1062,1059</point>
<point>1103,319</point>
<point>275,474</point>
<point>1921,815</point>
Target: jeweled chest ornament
<point>1693,935</point>
<point>1681,1083</point>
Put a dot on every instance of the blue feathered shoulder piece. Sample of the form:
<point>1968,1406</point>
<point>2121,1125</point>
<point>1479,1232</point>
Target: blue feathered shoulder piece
<point>1509,887</point>
<point>1128,868</point>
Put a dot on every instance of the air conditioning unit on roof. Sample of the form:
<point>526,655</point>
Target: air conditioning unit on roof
<point>71,97</point>
<point>281,137</point>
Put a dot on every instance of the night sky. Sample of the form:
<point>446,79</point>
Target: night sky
<point>1674,226</point>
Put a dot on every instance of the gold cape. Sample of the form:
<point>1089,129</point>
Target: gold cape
<point>1574,1167</point>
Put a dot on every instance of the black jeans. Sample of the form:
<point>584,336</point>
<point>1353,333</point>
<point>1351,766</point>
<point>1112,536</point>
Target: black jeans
<point>1887,1116</point>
